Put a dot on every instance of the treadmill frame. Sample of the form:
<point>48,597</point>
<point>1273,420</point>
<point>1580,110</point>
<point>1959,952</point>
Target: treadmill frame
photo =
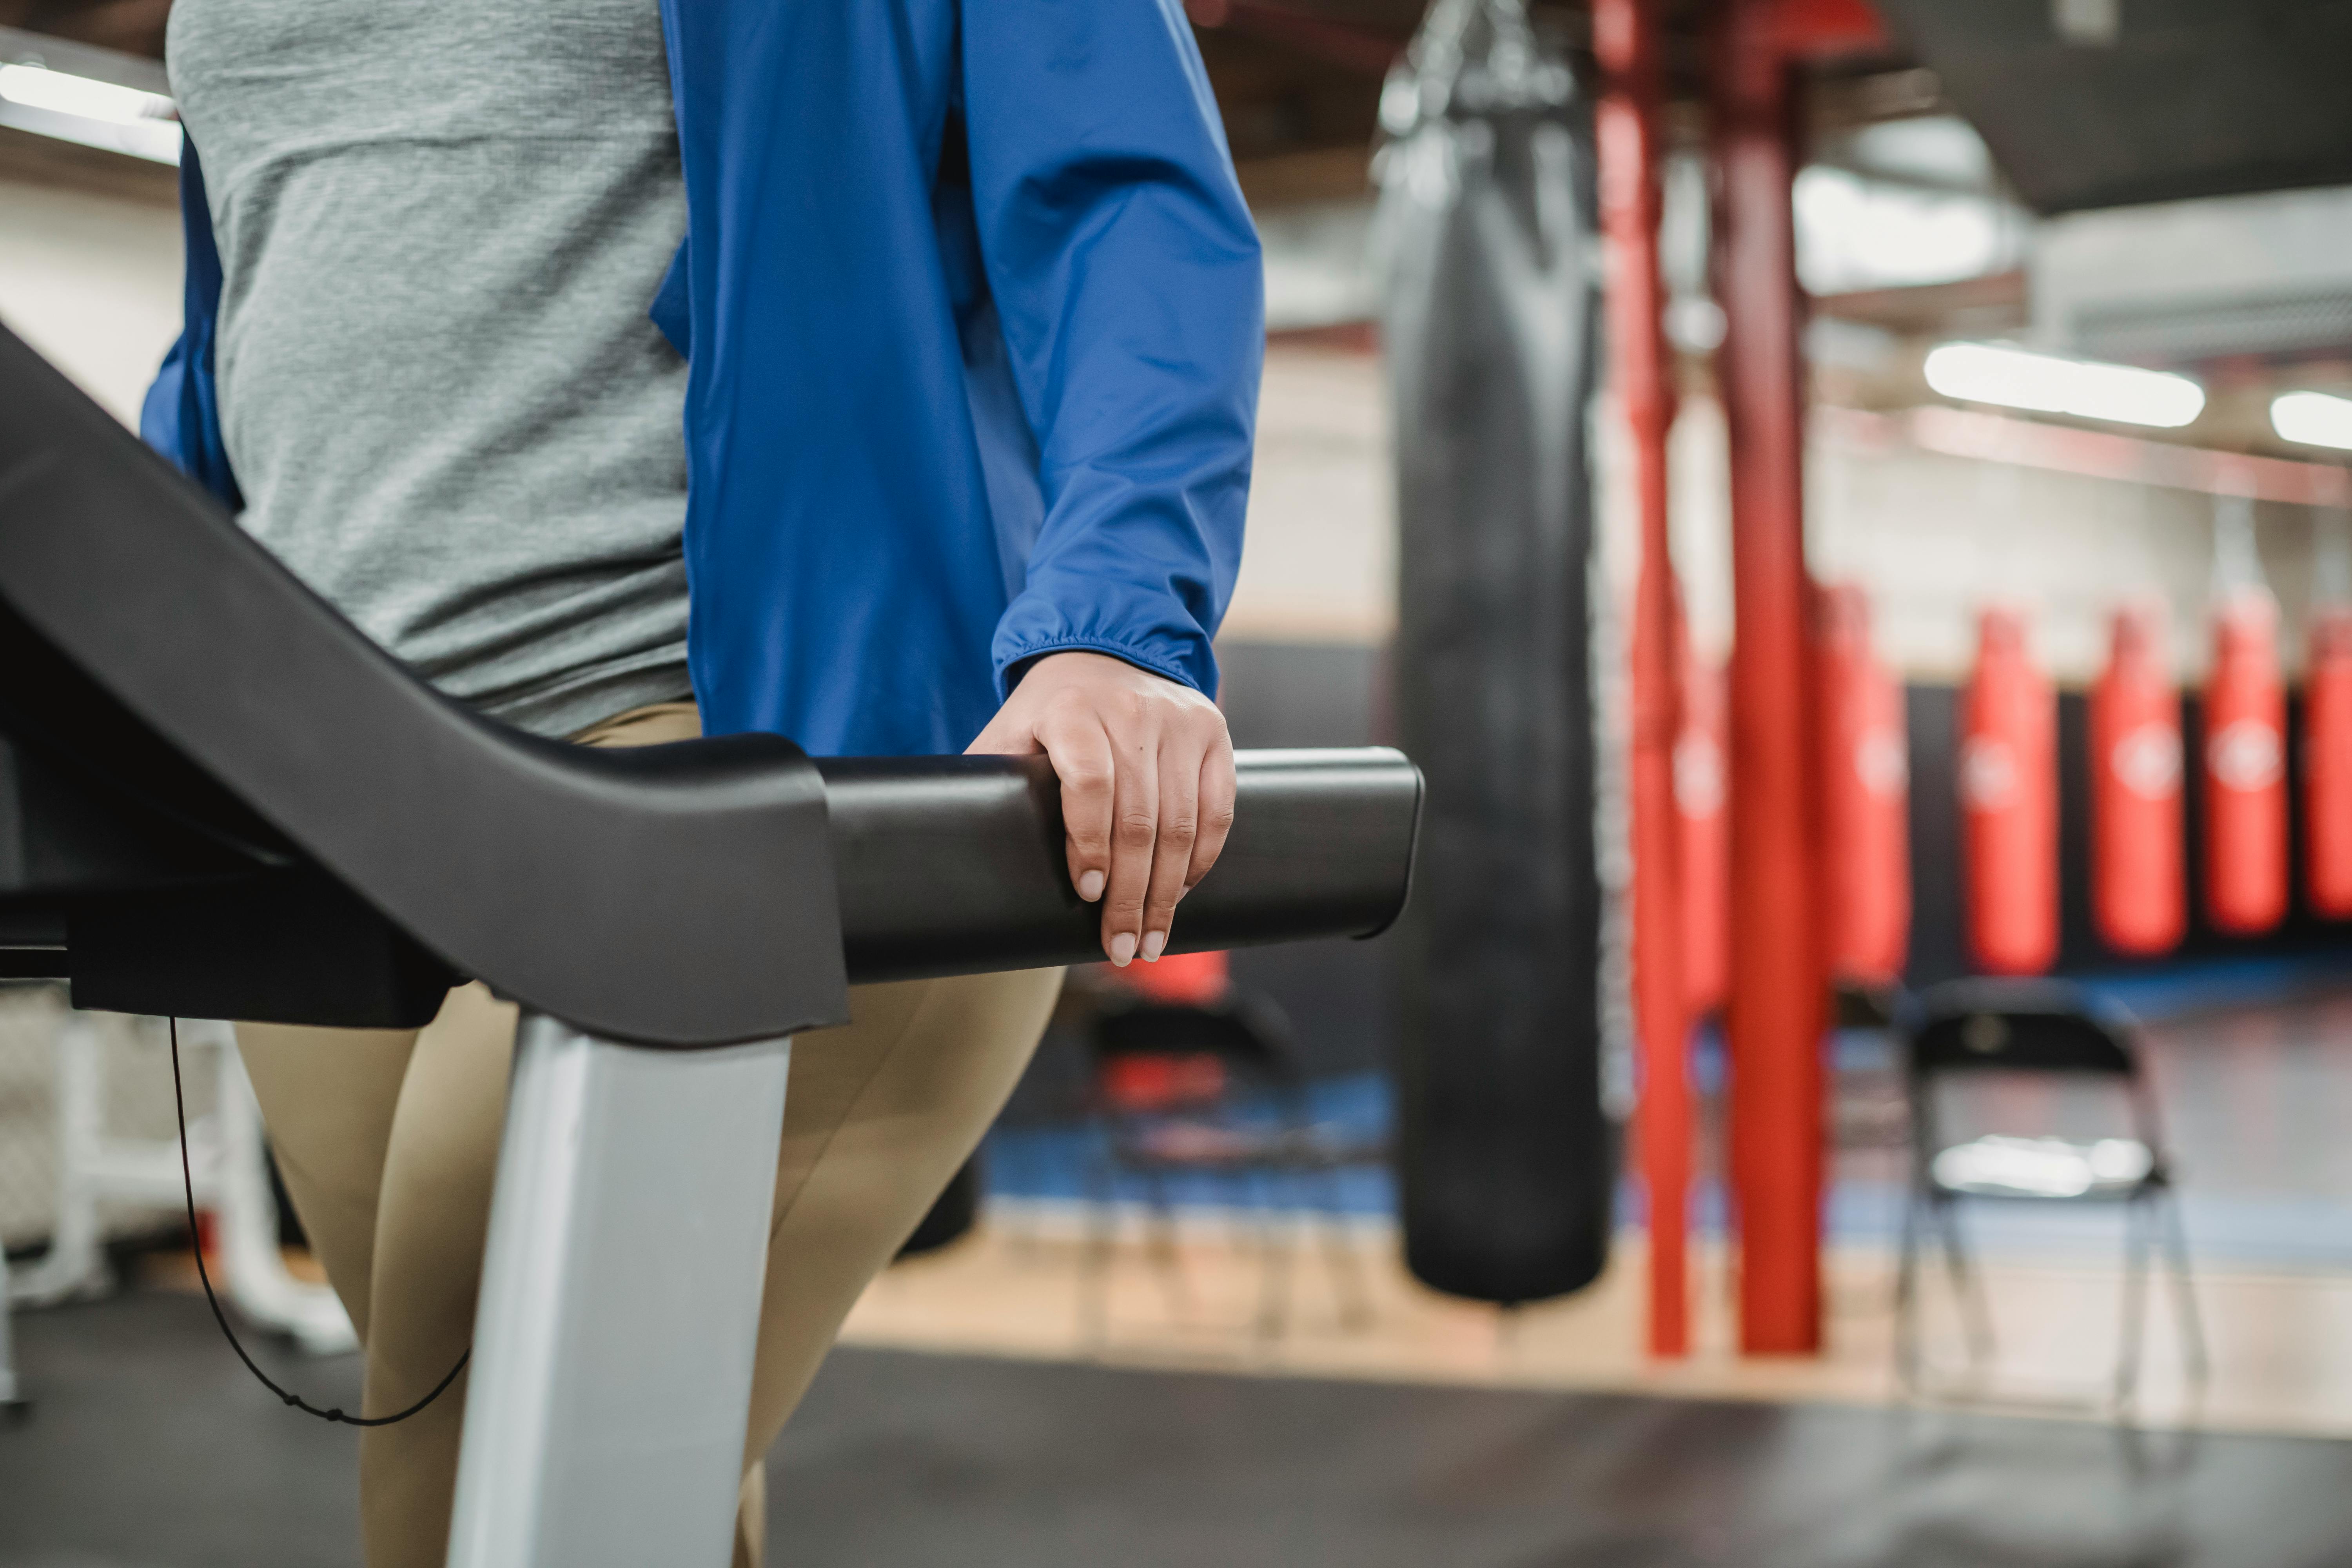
<point>620,1304</point>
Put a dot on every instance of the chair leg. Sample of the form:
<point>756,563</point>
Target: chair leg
<point>2135,1321</point>
<point>1274,1267</point>
<point>2193,1323</point>
<point>1339,1255</point>
<point>1907,1298</point>
<point>1160,1240</point>
<point>1094,1255</point>
<point>1968,1287</point>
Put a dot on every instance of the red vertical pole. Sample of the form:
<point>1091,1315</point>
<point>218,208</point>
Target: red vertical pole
<point>1774,1016</point>
<point>1625,38</point>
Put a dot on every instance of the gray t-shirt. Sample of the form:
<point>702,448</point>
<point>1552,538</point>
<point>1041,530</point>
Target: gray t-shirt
<point>440,226</point>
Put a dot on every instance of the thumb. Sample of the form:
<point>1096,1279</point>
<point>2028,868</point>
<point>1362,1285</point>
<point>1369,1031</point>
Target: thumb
<point>1007,735</point>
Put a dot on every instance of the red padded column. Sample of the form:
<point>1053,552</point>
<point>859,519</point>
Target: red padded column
<point>2327,765</point>
<point>2139,898</point>
<point>2008,803</point>
<point>2245,769</point>
<point>1865,796</point>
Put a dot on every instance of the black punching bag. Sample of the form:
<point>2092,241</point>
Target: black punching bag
<point>1488,219</point>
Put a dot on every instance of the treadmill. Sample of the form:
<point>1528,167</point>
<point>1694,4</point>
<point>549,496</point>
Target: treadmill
<point>220,800</point>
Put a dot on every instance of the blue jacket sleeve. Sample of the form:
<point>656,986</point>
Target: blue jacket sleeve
<point>1126,275</point>
<point>181,415</point>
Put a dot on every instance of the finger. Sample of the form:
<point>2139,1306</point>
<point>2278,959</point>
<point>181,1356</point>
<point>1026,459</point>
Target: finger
<point>1171,853</point>
<point>1081,754</point>
<point>1218,788</point>
<point>1134,828</point>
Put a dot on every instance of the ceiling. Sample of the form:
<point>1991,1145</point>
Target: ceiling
<point>1299,80</point>
<point>2192,97</point>
<point>134,27</point>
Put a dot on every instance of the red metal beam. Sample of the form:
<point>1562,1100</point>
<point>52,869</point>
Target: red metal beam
<point>2103,455</point>
<point>1816,28</point>
<point>1625,38</point>
<point>1775,1014</point>
<point>1358,49</point>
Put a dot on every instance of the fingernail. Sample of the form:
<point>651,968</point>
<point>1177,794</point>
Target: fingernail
<point>1090,886</point>
<point>1153,942</point>
<point>1122,949</point>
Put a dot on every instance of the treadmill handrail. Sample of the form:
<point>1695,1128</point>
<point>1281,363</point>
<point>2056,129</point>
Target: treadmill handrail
<point>679,895</point>
<point>956,865</point>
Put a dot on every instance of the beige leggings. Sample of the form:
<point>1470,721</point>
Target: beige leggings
<point>388,1140</point>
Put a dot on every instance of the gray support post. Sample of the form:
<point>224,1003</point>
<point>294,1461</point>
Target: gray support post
<point>76,1266</point>
<point>612,1348</point>
<point>7,1342</point>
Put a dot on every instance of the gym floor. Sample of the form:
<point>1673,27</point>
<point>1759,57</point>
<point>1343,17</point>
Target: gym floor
<point>2255,1094</point>
<point>990,1407</point>
<point>152,1449</point>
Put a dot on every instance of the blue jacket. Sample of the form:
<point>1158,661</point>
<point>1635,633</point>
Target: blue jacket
<point>972,308</point>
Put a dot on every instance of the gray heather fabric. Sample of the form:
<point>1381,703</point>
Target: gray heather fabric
<point>441,224</point>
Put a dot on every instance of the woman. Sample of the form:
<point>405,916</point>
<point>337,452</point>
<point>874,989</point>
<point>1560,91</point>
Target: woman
<point>937,438</point>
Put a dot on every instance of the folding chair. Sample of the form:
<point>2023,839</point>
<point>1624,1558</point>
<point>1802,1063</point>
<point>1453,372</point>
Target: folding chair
<point>1974,1029</point>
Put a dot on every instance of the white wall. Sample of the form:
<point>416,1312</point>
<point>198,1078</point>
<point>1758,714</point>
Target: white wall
<point>93,282</point>
<point>2197,279</point>
<point>1320,561</point>
<point>1932,538</point>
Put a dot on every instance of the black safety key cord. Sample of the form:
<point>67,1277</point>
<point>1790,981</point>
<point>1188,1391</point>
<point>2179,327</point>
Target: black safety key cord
<point>188,1186</point>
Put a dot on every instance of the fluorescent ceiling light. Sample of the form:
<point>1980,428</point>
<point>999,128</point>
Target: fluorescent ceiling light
<point>96,113</point>
<point>61,92</point>
<point>1854,232</point>
<point>2015,378</point>
<point>2312,418</point>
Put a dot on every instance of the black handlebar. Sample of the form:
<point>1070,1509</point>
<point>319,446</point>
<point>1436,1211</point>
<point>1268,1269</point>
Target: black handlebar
<point>955,864</point>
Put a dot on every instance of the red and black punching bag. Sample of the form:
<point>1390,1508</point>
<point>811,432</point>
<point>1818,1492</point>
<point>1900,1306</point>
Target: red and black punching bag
<point>2327,765</point>
<point>1701,775</point>
<point>2245,769</point>
<point>1864,796</point>
<point>2008,803</point>
<point>2139,898</point>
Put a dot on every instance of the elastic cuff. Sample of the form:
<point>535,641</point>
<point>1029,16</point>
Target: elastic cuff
<point>1154,663</point>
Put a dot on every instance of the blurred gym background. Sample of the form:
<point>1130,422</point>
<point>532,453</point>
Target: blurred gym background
<point>1951,1170</point>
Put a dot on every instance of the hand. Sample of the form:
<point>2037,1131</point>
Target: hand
<point>1147,772</point>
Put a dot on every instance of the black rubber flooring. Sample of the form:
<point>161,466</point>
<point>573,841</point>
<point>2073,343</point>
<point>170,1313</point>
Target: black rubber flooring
<point>151,1450</point>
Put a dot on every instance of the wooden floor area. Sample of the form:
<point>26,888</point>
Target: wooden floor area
<point>1030,1284</point>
